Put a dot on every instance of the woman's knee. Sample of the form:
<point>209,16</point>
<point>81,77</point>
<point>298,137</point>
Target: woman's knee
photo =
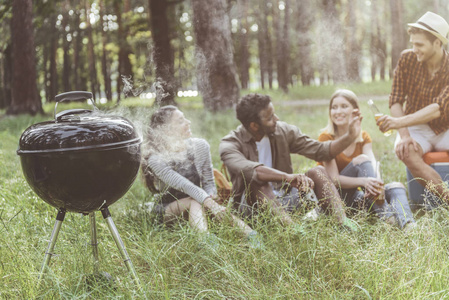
<point>360,159</point>
<point>393,185</point>
<point>316,172</point>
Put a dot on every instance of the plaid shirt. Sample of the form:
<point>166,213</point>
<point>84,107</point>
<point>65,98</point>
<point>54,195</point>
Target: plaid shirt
<point>412,84</point>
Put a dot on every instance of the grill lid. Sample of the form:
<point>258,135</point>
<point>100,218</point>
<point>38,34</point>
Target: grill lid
<point>78,130</point>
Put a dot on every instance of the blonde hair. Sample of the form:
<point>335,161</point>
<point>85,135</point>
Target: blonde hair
<point>352,99</point>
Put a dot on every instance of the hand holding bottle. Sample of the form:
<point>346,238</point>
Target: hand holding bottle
<point>377,115</point>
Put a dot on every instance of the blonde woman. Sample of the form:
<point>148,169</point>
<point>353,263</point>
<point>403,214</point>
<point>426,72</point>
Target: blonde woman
<point>355,170</point>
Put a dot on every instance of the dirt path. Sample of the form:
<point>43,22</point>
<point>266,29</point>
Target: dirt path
<point>318,102</point>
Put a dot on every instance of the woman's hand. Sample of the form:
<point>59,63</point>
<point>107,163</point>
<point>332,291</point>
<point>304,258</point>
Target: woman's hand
<point>215,208</point>
<point>373,186</point>
<point>355,124</point>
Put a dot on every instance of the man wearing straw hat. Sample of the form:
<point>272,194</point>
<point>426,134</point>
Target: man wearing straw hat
<point>421,81</point>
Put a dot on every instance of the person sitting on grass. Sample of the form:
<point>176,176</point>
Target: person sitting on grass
<point>178,168</point>
<point>257,156</point>
<point>355,170</point>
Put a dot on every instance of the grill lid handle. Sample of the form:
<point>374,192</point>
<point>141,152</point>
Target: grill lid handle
<point>72,96</point>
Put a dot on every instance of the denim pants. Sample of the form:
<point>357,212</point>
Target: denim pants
<point>290,200</point>
<point>396,203</point>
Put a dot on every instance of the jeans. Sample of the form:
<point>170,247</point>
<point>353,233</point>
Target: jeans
<point>291,200</point>
<point>396,204</point>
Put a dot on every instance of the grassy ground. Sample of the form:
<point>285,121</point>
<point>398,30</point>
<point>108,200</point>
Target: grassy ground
<point>379,262</point>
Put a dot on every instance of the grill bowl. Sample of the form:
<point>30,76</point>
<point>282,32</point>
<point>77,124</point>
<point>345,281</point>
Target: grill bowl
<point>81,161</point>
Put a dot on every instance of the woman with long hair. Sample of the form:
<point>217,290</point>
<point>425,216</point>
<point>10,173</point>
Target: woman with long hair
<point>355,170</point>
<point>178,170</point>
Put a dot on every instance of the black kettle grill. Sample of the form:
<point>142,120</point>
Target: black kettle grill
<point>82,161</point>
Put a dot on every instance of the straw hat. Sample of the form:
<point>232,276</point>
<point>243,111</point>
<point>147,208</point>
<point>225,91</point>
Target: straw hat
<point>434,24</point>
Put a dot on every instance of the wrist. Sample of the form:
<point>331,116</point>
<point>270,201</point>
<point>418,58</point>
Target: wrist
<point>403,133</point>
<point>403,121</point>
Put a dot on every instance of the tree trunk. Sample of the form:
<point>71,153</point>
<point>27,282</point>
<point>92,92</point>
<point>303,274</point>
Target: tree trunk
<point>268,44</point>
<point>77,45</point>
<point>91,55</point>
<point>125,73</point>
<point>244,52</point>
<point>397,33</point>
<point>105,69</point>
<point>285,41</point>
<point>334,41</point>
<point>66,70</point>
<point>304,21</point>
<point>261,42</point>
<point>282,25</point>
<point>162,53</point>
<point>53,80</point>
<point>7,77</point>
<point>352,46</point>
<point>377,43</point>
<point>24,94</point>
<point>280,50</point>
<point>216,72</point>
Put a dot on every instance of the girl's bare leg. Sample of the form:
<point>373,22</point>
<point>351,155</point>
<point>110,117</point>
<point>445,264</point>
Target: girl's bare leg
<point>196,216</point>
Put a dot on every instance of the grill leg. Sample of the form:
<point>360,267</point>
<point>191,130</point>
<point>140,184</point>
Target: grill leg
<point>51,244</point>
<point>120,245</point>
<point>93,240</point>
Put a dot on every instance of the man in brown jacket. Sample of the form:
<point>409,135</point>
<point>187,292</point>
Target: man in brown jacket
<point>257,156</point>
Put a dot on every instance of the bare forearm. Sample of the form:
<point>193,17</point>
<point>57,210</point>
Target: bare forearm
<point>351,182</point>
<point>337,146</point>
<point>267,174</point>
<point>398,112</point>
<point>422,116</point>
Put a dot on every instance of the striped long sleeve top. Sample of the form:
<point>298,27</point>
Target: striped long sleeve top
<point>166,176</point>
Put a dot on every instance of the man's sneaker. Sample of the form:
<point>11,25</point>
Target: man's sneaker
<point>255,240</point>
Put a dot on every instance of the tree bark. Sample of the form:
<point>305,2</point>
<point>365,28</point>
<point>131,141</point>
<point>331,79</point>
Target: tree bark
<point>377,43</point>
<point>105,68</point>
<point>78,65</point>
<point>352,45</point>
<point>91,54</point>
<point>24,94</point>
<point>398,42</point>
<point>286,47</point>
<point>53,82</point>
<point>244,52</point>
<point>304,21</point>
<point>334,41</point>
<point>215,68</point>
<point>268,43</point>
<point>125,72</point>
<point>261,42</point>
<point>66,70</point>
<point>162,53</point>
<point>7,77</point>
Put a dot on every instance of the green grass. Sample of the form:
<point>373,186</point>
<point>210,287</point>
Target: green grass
<point>379,262</point>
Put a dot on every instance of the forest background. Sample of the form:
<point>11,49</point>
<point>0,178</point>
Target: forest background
<point>136,55</point>
<point>161,49</point>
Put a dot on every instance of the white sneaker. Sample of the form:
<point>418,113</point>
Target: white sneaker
<point>410,227</point>
<point>312,215</point>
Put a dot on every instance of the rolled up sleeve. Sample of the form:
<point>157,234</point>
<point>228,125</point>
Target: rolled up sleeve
<point>304,145</point>
<point>440,124</point>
